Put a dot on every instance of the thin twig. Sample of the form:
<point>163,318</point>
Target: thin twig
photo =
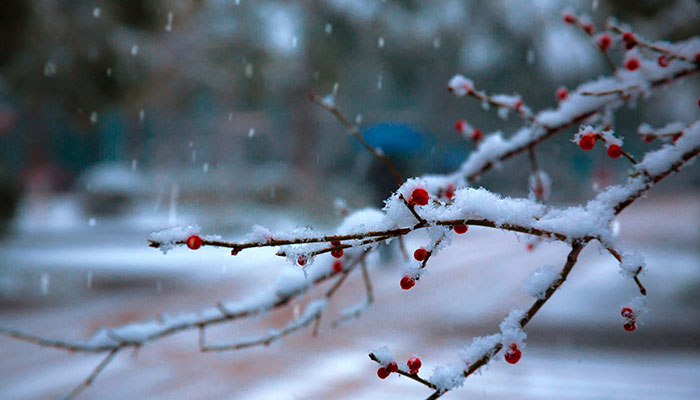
<point>635,277</point>
<point>652,46</point>
<point>85,383</point>
<point>409,375</point>
<point>352,129</point>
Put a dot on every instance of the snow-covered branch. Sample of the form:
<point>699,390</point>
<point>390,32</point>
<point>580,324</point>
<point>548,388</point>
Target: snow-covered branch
<point>444,206</point>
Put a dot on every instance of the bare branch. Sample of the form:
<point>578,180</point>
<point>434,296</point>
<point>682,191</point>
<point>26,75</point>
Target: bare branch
<point>85,383</point>
<point>352,129</point>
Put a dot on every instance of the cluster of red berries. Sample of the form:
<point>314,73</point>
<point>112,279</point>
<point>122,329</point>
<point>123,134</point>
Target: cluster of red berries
<point>587,142</point>
<point>513,354</point>
<point>413,365</point>
<point>630,319</point>
<point>194,242</point>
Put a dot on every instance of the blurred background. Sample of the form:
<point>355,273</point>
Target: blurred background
<point>118,118</point>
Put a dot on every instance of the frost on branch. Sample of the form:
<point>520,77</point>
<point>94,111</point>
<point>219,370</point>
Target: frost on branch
<point>656,162</point>
<point>447,202</point>
<point>447,377</point>
<point>632,263</point>
<point>483,346</point>
<point>460,86</point>
<point>538,282</point>
<point>383,355</point>
<point>167,238</point>
<point>511,331</point>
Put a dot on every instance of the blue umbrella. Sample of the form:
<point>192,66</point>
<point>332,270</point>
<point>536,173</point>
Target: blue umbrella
<point>396,139</point>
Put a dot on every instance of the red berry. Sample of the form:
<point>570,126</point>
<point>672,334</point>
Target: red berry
<point>235,251</point>
<point>697,58</point>
<point>530,246</point>
<point>477,135</point>
<point>407,282</point>
<point>518,104</point>
<point>419,196</point>
<point>648,138</point>
<point>614,151</point>
<point>335,243</point>
<point>460,125</point>
<point>413,365</point>
<point>382,373</point>
<point>562,94</point>
<point>664,61</point>
<point>698,101</point>
<point>460,229</point>
<point>569,19</point>
<point>630,45</point>
<point>420,254</point>
<point>587,141</point>
<point>450,191</point>
<point>392,367</point>
<point>605,41</point>
<point>630,326</point>
<point>337,266</point>
<point>629,37</point>
<point>194,242</point>
<point>337,253</point>
<point>676,137</point>
<point>301,260</point>
<point>627,312</point>
<point>513,354</point>
<point>588,28</point>
<point>632,64</point>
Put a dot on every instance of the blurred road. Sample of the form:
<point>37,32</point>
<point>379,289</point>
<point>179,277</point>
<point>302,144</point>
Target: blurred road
<point>576,348</point>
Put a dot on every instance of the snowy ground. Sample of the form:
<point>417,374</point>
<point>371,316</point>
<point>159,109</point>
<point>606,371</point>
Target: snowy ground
<point>576,347</point>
